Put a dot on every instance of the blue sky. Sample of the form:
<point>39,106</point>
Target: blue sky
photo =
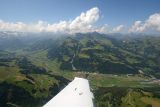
<point>111,12</point>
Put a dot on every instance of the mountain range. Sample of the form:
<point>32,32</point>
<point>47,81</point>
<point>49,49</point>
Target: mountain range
<point>35,67</point>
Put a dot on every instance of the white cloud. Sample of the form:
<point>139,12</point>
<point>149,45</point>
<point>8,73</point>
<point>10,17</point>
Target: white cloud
<point>137,27</point>
<point>118,29</point>
<point>85,19</point>
<point>83,23</point>
<point>151,24</point>
<point>11,26</point>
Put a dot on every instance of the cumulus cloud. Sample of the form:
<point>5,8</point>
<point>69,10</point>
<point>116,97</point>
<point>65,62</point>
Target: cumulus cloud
<point>118,29</point>
<point>82,23</point>
<point>151,24</point>
<point>11,26</point>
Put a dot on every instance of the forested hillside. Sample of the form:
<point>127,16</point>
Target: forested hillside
<point>95,52</point>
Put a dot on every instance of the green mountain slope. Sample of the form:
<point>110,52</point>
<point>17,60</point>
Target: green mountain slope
<point>100,53</point>
<point>120,69</point>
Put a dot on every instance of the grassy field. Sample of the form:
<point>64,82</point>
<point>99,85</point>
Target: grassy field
<point>40,59</point>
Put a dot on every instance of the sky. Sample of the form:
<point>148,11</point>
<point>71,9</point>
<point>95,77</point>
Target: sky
<point>72,16</point>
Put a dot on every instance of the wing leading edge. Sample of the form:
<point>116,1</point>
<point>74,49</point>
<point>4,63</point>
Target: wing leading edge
<point>76,94</point>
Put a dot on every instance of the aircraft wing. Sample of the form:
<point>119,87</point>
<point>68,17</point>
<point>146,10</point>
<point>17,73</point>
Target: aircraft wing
<point>76,94</point>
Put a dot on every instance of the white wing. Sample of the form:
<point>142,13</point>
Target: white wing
<point>76,94</point>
